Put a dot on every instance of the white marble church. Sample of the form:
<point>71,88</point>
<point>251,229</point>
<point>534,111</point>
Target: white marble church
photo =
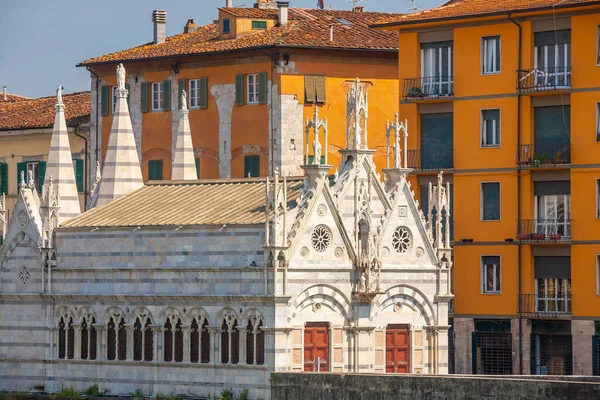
<point>188,287</point>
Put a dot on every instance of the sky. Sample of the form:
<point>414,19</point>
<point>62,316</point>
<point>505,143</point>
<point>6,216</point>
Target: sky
<point>42,41</point>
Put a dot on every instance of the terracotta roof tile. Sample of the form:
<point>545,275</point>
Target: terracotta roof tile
<point>12,97</point>
<point>240,201</point>
<point>307,28</point>
<point>474,8</point>
<point>39,113</point>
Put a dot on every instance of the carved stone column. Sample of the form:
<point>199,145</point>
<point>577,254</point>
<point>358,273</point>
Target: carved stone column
<point>215,344</point>
<point>77,342</point>
<point>157,331</point>
<point>242,345</point>
<point>186,343</point>
<point>101,341</point>
<point>130,342</point>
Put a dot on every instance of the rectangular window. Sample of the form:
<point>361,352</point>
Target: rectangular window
<point>114,98</point>
<point>552,208</point>
<point>314,88</point>
<point>226,25</point>
<point>490,201</point>
<point>78,167</point>
<point>598,122</point>
<point>259,24</point>
<point>252,88</point>
<point>3,178</point>
<point>490,55</point>
<point>597,198</point>
<point>155,170</point>
<point>32,168</point>
<point>598,46</point>
<point>552,58</point>
<point>157,96</point>
<point>490,128</point>
<point>194,97</point>
<point>251,166</point>
<point>490,274</point>
<point>553,295</point>
<point>437,72</point>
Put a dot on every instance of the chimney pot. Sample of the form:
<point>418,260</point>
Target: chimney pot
<point>282,12</point>
<point>331,33</point>
<point>4,92</point>
<point>159,18</point>
<point>228,3</point>
<point>190,26</point>
<point>358,8</point>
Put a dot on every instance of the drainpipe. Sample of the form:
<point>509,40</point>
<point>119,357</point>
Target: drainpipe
<point>97,111</point>
<point>85,168</point>
<point>519,266</point>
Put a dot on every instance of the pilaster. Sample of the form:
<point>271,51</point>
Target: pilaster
<point>101,341</point>
<point>130,342</point>
<point>186,343</point>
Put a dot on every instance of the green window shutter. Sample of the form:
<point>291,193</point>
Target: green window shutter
<point>320,88</point>
<point>310,93</point>
<point>4,178</point>
<point>21,167</point>
<point>105,100</point>
<point>41,175</point>
<point>144,97</point>
<point>166,95</point>
<point>155,170</point>
<point>311,158</point>
<point>251,166</point>
<point>79,174</point>
<point>491,201</point>
<point>226,25</point>
<point>552,131</point>
<point>181,88</point>
<point>197,167</point>
<point>239,90</point>
<point>437,141</point>
<point>262,88</point>
<point>203,92</point>
<point>128,93</point>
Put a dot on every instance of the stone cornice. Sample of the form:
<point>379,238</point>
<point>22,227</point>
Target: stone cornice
<point>145,298</point>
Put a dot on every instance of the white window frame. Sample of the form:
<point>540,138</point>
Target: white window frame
<point>481,202</point>
<point>194,93</point>
<point>33,166</point>
<point>157,96</point>
<point>484,69</point>
<point>543,79</point>
<point>548,225</point>
<point>548,300</point>
<point>497,133</point>
<point>114,98</point>
<point>497,267</point>
<point>252,89</point>
<point>427,61</point>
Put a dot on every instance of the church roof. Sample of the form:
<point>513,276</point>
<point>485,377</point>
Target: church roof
<point>172,203</point>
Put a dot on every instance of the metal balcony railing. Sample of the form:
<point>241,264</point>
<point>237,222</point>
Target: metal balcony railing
<point>544,230</point>
<point>535,306</point>
<point>431,160</point>
<point>429,87</point>
<point>543,79</point>
<point>548,154</point>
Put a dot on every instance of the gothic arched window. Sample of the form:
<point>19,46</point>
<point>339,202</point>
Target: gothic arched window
<point>143,339</point>
<point>255,342</point>
<point>199,341</point>
<point>230,341</point>
<point>173,340</point>
<point>88,338</point>
<point>116,339</point>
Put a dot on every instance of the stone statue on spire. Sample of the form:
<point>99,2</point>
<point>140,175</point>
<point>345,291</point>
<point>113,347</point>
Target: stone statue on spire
<point>183,101</point>
<point>59,99</point>
<point>317,149</point>
<point>121,76</point>
<point>317,124</point>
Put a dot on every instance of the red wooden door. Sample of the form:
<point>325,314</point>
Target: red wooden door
<point>316,347</point>
<point>397,349</point>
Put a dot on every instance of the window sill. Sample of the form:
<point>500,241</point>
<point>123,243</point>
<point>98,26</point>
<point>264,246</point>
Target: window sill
<point>491,220</point>
<point>491,293</point>
<point>496,146</point>
<point>491,73</point>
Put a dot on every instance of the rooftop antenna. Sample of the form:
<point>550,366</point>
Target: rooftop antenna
<point>354,2</point>
<point>414,7</point>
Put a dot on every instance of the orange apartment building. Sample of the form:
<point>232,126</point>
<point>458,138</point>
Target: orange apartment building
<point>504,97</point>
<point>252,77</point>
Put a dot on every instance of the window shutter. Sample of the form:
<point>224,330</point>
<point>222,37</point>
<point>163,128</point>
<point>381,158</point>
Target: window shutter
<point>4,178</point>
<point>79,174</point>
<point>144,96</point>
<point>181,89</point>
<point>255,166</point>
<point>252,166</point>
<point>262,88</point>
<point>247,167</point>
<point>41,175</point>
<point>155,170</point>
<point>166,106</point>
<point>239,90</point>
<point>203,92</point>
<point>320,88</point>
<point>197,160</point>
<point>105,101</point>
<point>310,94</point>
<point>21,167</point>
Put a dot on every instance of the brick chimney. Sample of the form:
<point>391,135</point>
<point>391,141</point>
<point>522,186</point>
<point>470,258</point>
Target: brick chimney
<point>159,18</point>
<point>190,26</point>
<point>4,92</point>
<point>358,9</point>
<point>282,12</point>
<point>228,3</point>
<point>265,4</point>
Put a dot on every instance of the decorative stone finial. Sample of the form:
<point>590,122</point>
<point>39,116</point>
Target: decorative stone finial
<point>396,126</point>
<point>30,180</point>
<point>357,114</point>
<point>22,184</point>
<point>316,124</point>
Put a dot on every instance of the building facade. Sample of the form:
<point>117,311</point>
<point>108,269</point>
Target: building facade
<point>191,287</point>
<point>252,78</point>
<point>504,97</point>
<point>25,132</point>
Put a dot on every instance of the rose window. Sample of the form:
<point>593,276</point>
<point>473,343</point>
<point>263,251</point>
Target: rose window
<point>402,240</point>
<point>321,238</point>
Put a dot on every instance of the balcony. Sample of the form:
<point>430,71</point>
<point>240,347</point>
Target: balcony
<point>427,88</point>
<point>431,160</point>
<point>534,306</point>
<point>544,79</point>
<point>545,155</point>
<point>544,230</point>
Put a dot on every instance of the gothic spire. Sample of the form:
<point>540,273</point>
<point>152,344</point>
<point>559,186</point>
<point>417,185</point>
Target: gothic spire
<point>184,166</point>
<point>60,165</point>
<point>121,172</point>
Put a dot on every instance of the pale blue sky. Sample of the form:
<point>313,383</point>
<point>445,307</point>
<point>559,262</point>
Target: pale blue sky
<point>42,40</point>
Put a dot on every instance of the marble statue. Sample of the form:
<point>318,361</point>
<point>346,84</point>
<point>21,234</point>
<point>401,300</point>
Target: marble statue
<point>59,99</point>
<point>363,282</point>
<point>317,151</point>
<point>183,100</point>
<point>397,163</point>
<point>121,76</point>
